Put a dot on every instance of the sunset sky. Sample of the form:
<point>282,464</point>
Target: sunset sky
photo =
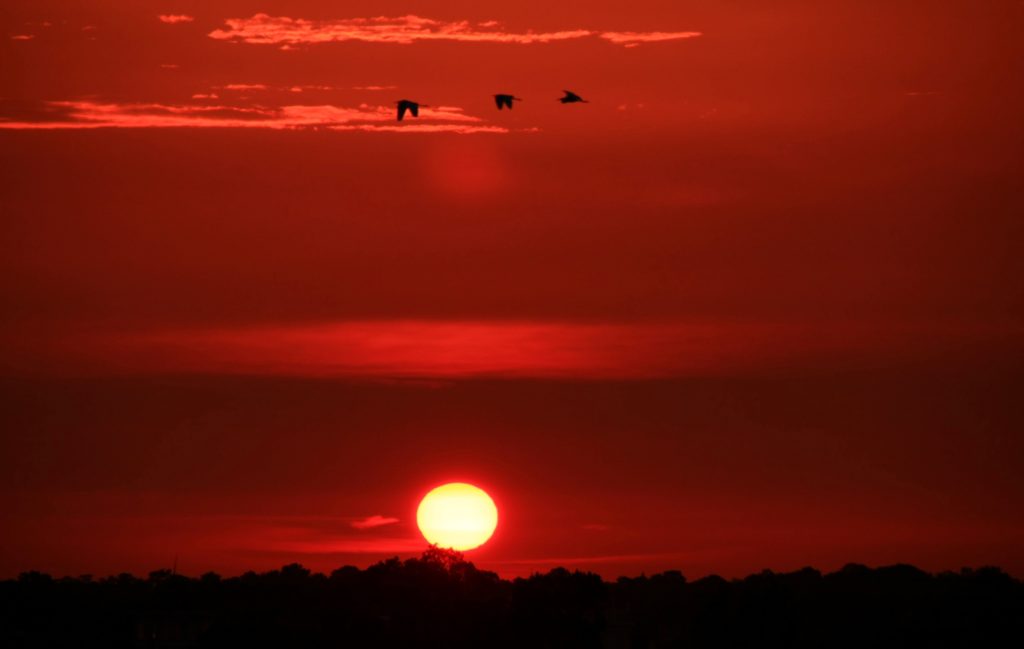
<point>759,304</point>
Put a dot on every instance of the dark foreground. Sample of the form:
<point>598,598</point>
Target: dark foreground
<point>439,600</point>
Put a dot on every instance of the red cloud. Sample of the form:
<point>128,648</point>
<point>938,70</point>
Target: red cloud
<point>246,86</point>
<point>341,546</point>
<point>373,521</point>
<point>386,349</point>
<point>278,30</point>
<point>173,19</point>
<point>86,114</point>
<point>306,535</point>
<point>633,38</point>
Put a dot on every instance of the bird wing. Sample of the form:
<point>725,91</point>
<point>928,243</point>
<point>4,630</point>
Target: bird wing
<point>499,101</point>
<point>401,111</point>
<point>415,109</point>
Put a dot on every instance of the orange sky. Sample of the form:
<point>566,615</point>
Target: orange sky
<point>755,305</point>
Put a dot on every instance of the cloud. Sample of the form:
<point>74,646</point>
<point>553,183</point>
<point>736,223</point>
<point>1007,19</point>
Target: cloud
<point>634,38</point>
<point>315,535</point>
<point>174,19</point>
<point>292,88</point>
<point>424,128</point>
<point>373,521</point>
<point>23,37</point>
<point>430,349</point>
<point>282,30</point>
<point>365,117</point>
<point>246,86</point>
<point>576,560</point>
<point>341,546</point>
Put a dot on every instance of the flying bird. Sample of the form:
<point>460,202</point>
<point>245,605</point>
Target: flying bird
<point>404,105</point>
<point>505,101</point>
<point>572,98</point>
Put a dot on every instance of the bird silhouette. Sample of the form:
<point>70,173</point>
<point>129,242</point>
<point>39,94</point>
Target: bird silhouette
<point>572,98</point>
<point>505,101</point>
<point>404,105</point>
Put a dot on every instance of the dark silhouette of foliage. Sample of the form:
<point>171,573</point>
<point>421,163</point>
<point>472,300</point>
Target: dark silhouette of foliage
<point>441,600</point>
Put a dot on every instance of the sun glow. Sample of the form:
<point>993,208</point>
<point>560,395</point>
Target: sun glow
<point>457,515</point>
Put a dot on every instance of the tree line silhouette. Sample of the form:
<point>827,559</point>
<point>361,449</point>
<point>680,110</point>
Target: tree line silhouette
<point>441,600</point>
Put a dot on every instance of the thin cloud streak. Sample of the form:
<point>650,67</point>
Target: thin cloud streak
<point>264,29</point>
<point>371,522</point>
<point>343,546</point>
<point>424,128</point>
<point>313,535</point>
<point>382,349</point>
<point>319,536</point>
<point>246,86</point>
<point>632,38</point>
<point>570,560</point>
<point>365,117</point>
<point>174,19</point>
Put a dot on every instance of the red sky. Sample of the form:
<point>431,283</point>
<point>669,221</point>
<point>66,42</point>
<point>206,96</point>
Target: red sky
<point>757,304</point>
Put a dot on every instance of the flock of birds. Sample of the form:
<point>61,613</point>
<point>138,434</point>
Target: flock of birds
<point>501,101</point>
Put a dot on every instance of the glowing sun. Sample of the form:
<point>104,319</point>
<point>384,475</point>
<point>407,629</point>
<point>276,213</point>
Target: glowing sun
<point>457,516</point>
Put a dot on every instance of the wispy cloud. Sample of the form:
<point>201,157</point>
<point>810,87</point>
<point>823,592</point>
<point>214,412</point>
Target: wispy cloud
<point>246,86</point>
<point>464,129</point>
<point>365,117</point>
<point>340,546</point>
<point>373,521</point>
<point>634,38</point>
<point>241,87</point>
<point>282,30</point>
<point>578,560</point>
<point>173,19</point>
<point>23,37</point>
<point>318,535</point>
<point>391,349</point>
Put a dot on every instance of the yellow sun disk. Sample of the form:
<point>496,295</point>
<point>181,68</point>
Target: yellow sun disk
<point>457,515</point>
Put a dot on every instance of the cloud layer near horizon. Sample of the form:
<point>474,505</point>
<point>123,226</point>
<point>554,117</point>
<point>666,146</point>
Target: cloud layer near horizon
<point>173,19</point>
<point>415,349</point>
<point>265,29</point>
<point>371,522</point>
<point>89,114</point>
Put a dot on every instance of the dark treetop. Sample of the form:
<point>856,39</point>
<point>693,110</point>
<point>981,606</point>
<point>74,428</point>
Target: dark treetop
<point>441,600</point>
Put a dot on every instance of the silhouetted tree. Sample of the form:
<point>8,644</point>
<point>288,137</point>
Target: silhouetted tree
<point>441,600</point>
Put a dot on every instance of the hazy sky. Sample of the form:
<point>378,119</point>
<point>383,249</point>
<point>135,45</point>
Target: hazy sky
<point>757,304</point>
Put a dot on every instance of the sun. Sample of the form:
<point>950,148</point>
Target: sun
<point>457,515</point>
